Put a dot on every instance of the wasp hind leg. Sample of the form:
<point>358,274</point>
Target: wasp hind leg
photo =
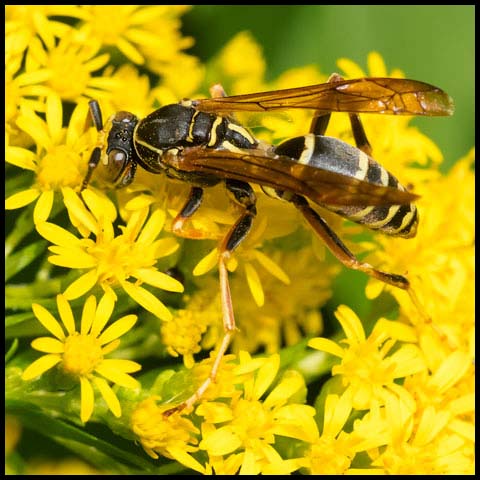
<point>338,248</point>
<point>243,195</point>
<point>320,123</point>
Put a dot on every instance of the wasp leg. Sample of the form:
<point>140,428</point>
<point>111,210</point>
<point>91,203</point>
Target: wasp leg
<point>320,122</point>
<point>243,194</point>
<point>338,248</point>
<point>192,204</point>
<point>217,91</point>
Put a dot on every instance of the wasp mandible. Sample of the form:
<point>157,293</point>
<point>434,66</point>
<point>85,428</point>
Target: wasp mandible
<point>199,142</point>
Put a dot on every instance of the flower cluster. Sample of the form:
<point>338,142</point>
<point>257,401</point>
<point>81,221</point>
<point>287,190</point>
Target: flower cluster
<point>400,391</point>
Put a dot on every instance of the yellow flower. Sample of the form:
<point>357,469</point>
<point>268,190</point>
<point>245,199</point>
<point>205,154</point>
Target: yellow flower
<point>22,90</point>
<point>59,159</point>
<point>137,31</point>
<point>172,436</point>
<point>82,353</point>
<point>367,368</point>
<point>333,451</point>
<point>246,427</point>
<point>420,443</point>
<point>71,64</point>
<point>24,22</point>
<point>291,310</point>
<point>183,334</point>
<point>111,260</point>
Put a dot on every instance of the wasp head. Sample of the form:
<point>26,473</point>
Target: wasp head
<point>117,157</point>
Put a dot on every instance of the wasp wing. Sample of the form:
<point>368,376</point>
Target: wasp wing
<point>397,96</point>
<point>285,174</point>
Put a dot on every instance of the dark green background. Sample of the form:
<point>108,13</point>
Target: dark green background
<point>430,43</point>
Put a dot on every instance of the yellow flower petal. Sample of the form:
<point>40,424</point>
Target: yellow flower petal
<point>110,347</point>
<point>296,421</point>
<point>40,366</point>
<point>108,370</point>
<point>148,301</point>
<point>20,157</point>
<point>376,65</point>
<point>184,458</point>
<point>337,411</point>
<point>48,345</point>
<point>158,279</point>
<point>254,284</point>
<point>351,324</point>
<point>206,263</point>
<point>265,376</point>
<point>81,285</point>
<point>122,364</point>
<point>291,383</point>
<point>57,235</point>
<point>48,321</point>
<point>165,246</point>
<point>88,314</point>
<point>117,329</point>
<point>153,227</point>
<point>374,288</point>
<point>221,442</point>
<point>43,207</point>
<point>66,313</point>
<point>271,267</point>
<point>129,51</point>
<point>102,315</point>
<point>86,399</point>
<point>72,258</point>
<point>326,345</point>
<point>97,203</point>
<point>20,199</point>
<point>109,396</point>
<point>77,211</point>
<point>451,370</point>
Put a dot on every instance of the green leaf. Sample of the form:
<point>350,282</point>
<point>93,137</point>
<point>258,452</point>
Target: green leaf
<point>100,453</point>
<point>21,259</point>
<point>11,350</point>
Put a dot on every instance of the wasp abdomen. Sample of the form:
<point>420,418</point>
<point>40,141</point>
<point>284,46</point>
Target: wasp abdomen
<point>334,155</point>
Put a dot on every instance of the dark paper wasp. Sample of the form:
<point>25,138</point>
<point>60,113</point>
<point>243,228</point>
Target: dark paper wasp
<point>199,142</point>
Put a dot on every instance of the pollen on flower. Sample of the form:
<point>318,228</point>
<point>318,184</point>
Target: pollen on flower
<point>60,167</point>
<point>82,354</point>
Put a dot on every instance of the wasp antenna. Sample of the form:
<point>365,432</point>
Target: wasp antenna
<point>96,114</point>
